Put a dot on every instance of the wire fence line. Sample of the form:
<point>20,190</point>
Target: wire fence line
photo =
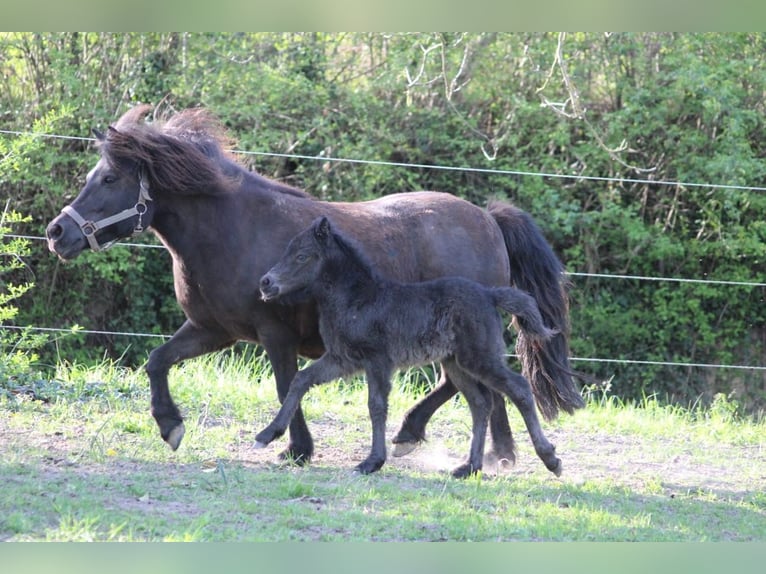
<point>505,172</point>
<point>468,169</point>
<point>570,273</point>
<point>508,171</point>
<point>669,279</point>
<point>524,173</point>
<point>574,359</point>
<point>77,331</point>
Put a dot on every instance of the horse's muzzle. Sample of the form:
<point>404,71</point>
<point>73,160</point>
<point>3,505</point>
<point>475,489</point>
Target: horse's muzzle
<point>65,238</point>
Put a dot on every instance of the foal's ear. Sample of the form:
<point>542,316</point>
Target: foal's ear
<point>322,230</point>
<point>99,134</point>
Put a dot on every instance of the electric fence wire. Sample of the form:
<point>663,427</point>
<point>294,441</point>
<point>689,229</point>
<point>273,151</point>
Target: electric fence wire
<point>620,180</point>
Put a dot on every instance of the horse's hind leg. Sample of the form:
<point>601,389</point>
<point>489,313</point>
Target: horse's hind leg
<point>189,341</point>
<point>413,428</point>
<point>479,399</point>
<point>503,446</point>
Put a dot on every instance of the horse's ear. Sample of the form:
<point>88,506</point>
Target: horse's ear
<point>99,134</point>
<point>322,230</point>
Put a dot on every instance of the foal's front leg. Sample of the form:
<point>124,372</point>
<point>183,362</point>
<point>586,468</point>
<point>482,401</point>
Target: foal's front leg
<point>324,370</point>
<point>378,389</point>
<point>283,355</point>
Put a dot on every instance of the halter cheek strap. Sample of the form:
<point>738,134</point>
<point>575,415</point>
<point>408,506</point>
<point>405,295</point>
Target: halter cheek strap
<point>89,228</point>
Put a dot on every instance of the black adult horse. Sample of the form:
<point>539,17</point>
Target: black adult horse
<point>225,227</point>
<point>374,324</point>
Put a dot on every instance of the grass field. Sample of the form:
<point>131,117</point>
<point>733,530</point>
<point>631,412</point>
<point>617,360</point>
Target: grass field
<point>81,459</point>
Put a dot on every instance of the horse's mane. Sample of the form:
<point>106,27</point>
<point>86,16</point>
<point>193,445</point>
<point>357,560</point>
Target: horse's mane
<point>182,152</point>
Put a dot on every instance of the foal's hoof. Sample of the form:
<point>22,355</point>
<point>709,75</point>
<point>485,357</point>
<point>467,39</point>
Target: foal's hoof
<point>258,445</point>
<point>294,456</point>
<point>404,448</point>
<point>175,436</point>
<point>368,466</point>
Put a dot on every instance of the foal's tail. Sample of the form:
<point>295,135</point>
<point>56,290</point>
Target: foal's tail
<point>536,270</point>
<point>525,310</point>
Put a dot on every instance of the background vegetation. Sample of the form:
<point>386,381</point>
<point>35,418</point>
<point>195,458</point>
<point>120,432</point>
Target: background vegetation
<point>638,109</point>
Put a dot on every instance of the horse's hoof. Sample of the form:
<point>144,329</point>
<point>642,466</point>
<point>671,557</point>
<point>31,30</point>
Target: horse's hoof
<point>492,459</point>
<point>258,445</point>
<point>465,470</point>
<point>404,448</point>
<point>506,456</point>
<point>176,435</point>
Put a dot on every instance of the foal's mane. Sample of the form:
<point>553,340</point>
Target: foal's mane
<point>353,253</point>
<point>182,152</point>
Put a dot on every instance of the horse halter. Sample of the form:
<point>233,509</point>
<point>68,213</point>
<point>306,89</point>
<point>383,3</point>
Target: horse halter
<point>89,228</point>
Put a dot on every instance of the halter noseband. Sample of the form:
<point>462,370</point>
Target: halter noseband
<point>89,228</point>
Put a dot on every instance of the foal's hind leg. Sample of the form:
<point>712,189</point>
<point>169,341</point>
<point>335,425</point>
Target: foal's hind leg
<point>479,399</point>
<point>493,372</point>
<point>413,428</point>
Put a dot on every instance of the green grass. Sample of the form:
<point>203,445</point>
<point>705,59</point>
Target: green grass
<point>81,459</point>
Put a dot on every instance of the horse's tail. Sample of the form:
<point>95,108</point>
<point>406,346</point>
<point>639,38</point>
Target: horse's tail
<point>536,270</point>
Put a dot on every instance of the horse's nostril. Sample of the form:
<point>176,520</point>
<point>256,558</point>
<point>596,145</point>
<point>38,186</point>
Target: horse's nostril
<point>265,281</point>
<point>54,231</point>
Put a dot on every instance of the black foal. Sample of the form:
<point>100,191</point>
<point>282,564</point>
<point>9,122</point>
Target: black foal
<point>372,324</point>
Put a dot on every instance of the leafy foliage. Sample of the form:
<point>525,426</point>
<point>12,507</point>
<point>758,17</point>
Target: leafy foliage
<point>17,347</point>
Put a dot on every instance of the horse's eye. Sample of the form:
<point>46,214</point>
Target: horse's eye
<point>301,257</point>
<point>108,179</point>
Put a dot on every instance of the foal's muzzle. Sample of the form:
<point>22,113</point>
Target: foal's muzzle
<point>269,288</point>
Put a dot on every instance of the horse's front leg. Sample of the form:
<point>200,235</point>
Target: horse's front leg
<point>189,341</point>
<point>323,370</point>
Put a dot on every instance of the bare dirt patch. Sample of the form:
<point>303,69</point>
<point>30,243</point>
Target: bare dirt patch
<point>671,464</point>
